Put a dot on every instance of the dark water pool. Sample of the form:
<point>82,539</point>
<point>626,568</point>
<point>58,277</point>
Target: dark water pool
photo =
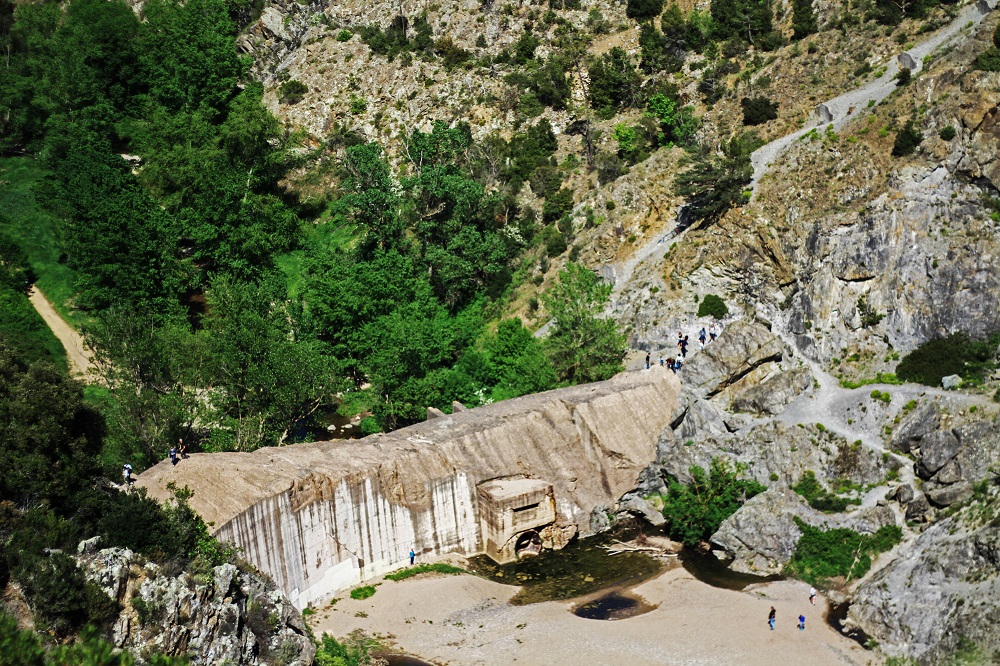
<point>708,569</point>
<point>835,618</point>
<point>581,568</point>
<point>614,605</point>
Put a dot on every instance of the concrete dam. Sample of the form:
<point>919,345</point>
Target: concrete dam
<point>523,473</point>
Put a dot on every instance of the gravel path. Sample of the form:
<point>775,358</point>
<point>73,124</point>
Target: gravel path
<point>77,353</point>
<point>842,107</point>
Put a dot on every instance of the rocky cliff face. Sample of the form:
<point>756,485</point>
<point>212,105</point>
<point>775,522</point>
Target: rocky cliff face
<point>325,516</point>
<point>940,592</point>
<point>222,615</point>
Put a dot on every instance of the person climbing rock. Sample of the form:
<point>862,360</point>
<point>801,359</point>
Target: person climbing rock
<point>173,455</point>
<point>127,474</point>
<point>802,622</point>
<point>812,595</point>
<point>670,364</point>
<point>713,332</point>
<point>413,556</point>
<point>182,449</point>
<point>701,338</point>
<point>647,360</point>
<point>684,347</point>
<point>770,618</point>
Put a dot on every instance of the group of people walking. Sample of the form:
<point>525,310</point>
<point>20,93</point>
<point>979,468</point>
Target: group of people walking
<point>772,616</point>
<point>176,454</point>
<point>675,363</point>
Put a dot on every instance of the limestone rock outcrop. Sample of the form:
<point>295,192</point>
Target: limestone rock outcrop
<point>761,537</point>
<point>219,615</point>
<point>771,395</point>
<point>941,589</point>
<point>323,516</point>
<point>741,348</point>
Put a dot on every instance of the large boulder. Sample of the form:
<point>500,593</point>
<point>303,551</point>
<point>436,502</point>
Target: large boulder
<point>762,536</point>
<point>936,449</point>
<point>923,420</point>
<point>771,395</point>
<point>742,347</point>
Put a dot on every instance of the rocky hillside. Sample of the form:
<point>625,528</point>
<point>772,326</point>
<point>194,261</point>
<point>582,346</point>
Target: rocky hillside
<point>220,615</point>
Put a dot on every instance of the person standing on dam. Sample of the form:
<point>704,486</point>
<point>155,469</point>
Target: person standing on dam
<point>413,556</point>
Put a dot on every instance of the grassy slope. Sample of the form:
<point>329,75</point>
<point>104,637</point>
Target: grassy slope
<point>36,231</point>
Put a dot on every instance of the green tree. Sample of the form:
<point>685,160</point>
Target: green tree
<point>713,185</point>
<point>713,306</point>
<point>614,82</point>
<point>748,20</point>
<point>803,19</point>
<point>643,10</point>
<point>270,373</point>
<point>516,362</point>
<point>584,345</point>
<point>677,123</point>
<point>695,511</point>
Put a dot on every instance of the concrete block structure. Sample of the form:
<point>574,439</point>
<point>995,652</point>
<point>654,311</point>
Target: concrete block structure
<point>512,513</point>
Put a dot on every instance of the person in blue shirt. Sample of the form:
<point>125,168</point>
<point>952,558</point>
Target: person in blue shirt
<point>412,557</point>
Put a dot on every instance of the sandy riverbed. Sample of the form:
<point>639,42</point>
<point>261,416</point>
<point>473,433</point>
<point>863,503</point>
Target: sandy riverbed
<point>467,620</point>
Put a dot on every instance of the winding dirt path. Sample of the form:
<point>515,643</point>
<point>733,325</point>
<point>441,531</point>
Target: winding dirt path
<point>78,355</point>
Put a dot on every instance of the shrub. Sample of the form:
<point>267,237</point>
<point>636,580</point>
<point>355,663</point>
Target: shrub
<point>713,306</point>
<point>907,140</point>
<point>553,240</point>
<point>869,315</point>
<point>947,133</point>
<point>956,354</point>
<point>822,554</point>
<point>358,104</point>
<point>903,77</point>
<point>557,205</point>
<point>881,396</point>
<point>292,91</point>
<point>819,497</point>
<point>439,567</point>
<point>643,10</point>
<point>758,110</point>
<point>363,592</point>
<point>695,511</point>
<point>344,35</point>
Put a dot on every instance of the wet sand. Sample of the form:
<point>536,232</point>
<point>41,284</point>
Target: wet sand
<point>467,620</point>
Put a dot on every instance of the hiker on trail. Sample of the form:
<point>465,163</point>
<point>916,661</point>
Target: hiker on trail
<point>713,332</point>
<point>647,360</point>
<point>127,474</point>
<point>661,360</point>
<point>802,622</point>
<point>412,557</point>
<point>182,449</point>
<point>770,618</point>
<point>812,595</point>
<point>684,347</point>
<point>173,455</point>
<point>670,364</point>
<point>677,365</point>
<point>701,338</point>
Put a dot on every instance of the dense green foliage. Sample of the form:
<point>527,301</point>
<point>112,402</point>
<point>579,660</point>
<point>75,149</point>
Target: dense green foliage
<point>614,82</point>
<point>643,10</point>
<point>748,21</point>
<point>19,647</point>
<point>20,324</point>
<point>56,492</point>
<point>957,354</point>
<point>758,110</point>
<point>819,497</point>
<point>695,511</point>
<point>713,306</point>
<point>437,567</point>
<point>824,554</point>
<point>803,19</point>
<point>907,139</point>
<point>355,650</point>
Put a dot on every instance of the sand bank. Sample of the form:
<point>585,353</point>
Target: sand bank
<point>467,620</point>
